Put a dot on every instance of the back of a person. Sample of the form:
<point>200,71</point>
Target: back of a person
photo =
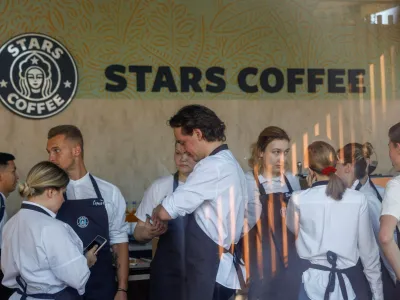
<point>30,263</point>
<point>329,225</point>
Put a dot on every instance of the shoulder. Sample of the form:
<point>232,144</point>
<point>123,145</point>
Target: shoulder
<point>293,180</point>
<point>394,183</point>
<point>105,185</point>
<point>249,175</point>
<point>162,182</point>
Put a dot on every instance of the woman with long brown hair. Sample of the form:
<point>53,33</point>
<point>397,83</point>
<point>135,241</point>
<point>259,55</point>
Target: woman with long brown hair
<point>333,230</point>
<point>271,250</point>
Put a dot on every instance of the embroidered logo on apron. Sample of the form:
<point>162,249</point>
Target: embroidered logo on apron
<point>82,222</point>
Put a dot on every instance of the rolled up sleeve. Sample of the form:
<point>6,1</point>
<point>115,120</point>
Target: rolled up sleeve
<point>200,186</point>
<point>118,226</point>
<point>391,199</point>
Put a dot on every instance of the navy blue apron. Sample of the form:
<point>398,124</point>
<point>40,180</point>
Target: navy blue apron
<point>355,274</point>
<point>88,217</point>
<point>167,272</point>
<point>202,257</point>
<point>2,210</point>
<point>68,293</point>
<point>274,262</point>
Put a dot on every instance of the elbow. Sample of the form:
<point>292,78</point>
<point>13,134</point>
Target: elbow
<point>385,238</point>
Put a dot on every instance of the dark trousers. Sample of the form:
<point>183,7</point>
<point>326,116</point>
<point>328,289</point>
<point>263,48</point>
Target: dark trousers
<point>222,293</point>
<point>390,290</point>
<point>5,292</point>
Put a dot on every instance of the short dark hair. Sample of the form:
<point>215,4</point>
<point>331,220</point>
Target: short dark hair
<point>394,133</point>
<point>69,131</point>
<point>5,158</point>
<point>192,117</point>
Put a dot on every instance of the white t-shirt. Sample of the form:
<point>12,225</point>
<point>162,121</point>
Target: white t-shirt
<point>391,199</point>
<point>156,192</point>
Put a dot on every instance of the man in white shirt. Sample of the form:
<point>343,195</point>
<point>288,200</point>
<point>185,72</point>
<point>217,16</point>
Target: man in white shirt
<point>8,182</point>
<point>92,207</point>
<point>214,197</point>
<point>390,215</point>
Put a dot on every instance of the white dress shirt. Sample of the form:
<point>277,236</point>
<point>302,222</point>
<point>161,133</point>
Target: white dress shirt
<point>44,251</point>
<point>343,227</point>
<point>216,192</point>
<point>375,208</point>
<point>153,196</point>
<point>271,185</point>
<point>4,219</point>
<point>367,188</point>
<point>114,203</point>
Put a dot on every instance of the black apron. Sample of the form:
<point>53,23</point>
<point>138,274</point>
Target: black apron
<point>355,274</point>
<point>202,258</point>
<point>88,218</point>
<point>275,267</point>
<point>68,293</point>
<point>167,272</point>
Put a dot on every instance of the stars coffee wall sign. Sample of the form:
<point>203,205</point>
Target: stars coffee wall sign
<point>38,76</point>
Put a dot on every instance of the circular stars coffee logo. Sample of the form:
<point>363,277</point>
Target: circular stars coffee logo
<point>38,76</point>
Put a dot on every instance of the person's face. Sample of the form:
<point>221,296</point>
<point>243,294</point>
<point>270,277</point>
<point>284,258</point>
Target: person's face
<point>192,144</point>
<point>394,154</point>
<point>35,78</point>
<point>275,155</point>
<point>9,177</point>
<point>63,152</point>
<point>345,172</point>
<point>183,161</point>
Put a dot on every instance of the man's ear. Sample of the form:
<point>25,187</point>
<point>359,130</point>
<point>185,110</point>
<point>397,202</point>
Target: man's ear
<point>198,134</point>
<point>347,168</point>
<point>77,150</point>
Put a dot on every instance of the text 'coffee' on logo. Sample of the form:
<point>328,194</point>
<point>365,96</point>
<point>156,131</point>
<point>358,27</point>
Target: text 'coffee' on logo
<point>38,76</point>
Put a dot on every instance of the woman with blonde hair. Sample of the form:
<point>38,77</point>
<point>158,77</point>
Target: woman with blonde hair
<point>42,256</point>
<point>333,230</point>
<point>272,258</point>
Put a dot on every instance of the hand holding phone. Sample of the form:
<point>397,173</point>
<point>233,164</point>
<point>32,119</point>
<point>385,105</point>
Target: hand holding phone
<point>98,241</point>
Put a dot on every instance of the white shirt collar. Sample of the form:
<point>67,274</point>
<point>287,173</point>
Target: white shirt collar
<point>263,179</point>
<point>80,180</point>
<point>53,215</point>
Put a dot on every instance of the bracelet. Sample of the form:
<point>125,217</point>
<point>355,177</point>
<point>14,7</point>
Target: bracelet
<point>122,290</point>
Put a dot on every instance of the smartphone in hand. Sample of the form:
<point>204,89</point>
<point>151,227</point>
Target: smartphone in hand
<point>150,220</point>
<point>99,241</point>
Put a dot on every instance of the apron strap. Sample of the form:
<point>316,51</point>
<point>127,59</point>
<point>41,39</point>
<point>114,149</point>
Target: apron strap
<point>289,186</point>
<point>332,259</point>
<point>22,291</point>
<point>35,208</point>
<point>2,207</point>
<point>375,189</point>
<point>95,186</point>
<point>176,181</point>
<point>279,250</point>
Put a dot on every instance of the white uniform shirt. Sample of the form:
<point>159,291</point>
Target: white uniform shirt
<point>157,191</point>
<point>367,188</point>
<point>375,208</point>
<point>114,203</point>
<point>343,227</point>
<point>271,185</point>
<point>391,200</point>
<point>44,251</point>
<point>216,192</point>
<point>4,219</point>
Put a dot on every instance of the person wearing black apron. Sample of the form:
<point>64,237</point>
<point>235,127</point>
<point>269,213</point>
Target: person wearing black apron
<point>352,167</point>
<point>8,181</point>
<point>89,204</point>
<point>213,199</point>
<point>167,272</point>
<point>42,256</point>
<point>279,265</point>
<point>333,230</point>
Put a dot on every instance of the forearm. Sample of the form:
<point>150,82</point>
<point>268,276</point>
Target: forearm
<point>392,253</point>
<point>162,214</point>
<point>121,260</point>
